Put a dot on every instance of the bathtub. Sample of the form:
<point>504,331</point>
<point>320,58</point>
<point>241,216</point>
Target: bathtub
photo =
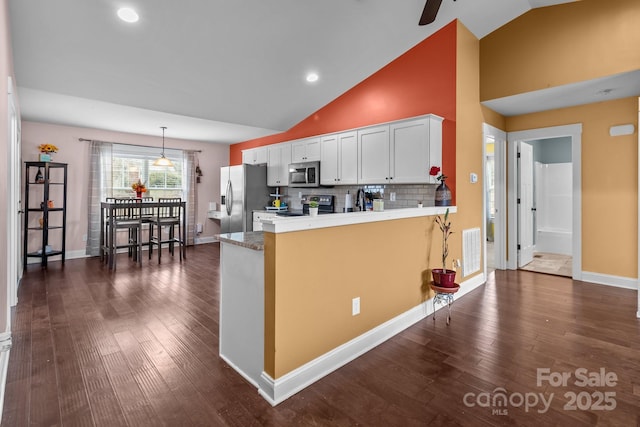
<point>554,241</point>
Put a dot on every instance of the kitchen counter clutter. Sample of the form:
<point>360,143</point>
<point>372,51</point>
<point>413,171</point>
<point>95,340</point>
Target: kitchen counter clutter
<point>301,223</point>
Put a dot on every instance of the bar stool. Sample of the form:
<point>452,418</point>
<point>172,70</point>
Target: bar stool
<point>127,217</point>
<point>169,216</point>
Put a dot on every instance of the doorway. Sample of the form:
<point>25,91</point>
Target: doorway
<point>545,172</point>
<point>524,220</point>
<point>494,198</point>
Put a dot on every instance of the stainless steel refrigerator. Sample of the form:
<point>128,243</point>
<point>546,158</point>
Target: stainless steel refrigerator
<point>243,189</point>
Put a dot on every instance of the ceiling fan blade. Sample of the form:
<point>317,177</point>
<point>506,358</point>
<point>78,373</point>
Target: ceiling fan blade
<point>430,11</point>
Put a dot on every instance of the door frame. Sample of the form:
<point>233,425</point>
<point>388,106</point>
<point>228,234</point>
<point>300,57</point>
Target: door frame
<point>14,248</point>
<point>574,131</point>
<point>500,165</point>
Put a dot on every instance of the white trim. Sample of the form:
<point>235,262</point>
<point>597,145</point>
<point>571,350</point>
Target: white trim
<point>575,132</point>
<point>608,280</point>
<point>500,166</point>
<point>278,390</point>
<point>203,240</point>
<point>5,350</point>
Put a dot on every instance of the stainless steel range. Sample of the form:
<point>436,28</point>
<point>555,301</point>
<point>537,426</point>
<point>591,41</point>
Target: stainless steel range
<point>326,205</point>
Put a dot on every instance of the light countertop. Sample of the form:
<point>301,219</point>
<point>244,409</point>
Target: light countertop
<point>300,223</point>
<point>251,239</point>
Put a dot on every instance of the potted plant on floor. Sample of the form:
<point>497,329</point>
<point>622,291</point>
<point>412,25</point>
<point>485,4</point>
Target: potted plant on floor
<point>441,276</point>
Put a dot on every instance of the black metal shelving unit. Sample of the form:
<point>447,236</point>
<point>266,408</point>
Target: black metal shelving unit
<point>52,187</point>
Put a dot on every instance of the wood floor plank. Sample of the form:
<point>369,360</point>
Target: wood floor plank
<point>139,346</point>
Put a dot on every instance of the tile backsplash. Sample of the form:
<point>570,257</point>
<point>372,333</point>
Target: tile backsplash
<point>406,195</point>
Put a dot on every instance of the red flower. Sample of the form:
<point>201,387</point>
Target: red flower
<point>434,170</point>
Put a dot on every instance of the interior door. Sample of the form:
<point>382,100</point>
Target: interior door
<point>525,207</point>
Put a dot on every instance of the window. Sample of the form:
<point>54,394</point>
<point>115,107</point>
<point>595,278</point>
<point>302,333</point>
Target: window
<point>133,163</point>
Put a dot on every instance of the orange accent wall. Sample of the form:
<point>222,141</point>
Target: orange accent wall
<point>421,81</point>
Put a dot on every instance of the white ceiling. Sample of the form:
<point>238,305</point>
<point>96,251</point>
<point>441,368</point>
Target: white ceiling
<point>215,70</point>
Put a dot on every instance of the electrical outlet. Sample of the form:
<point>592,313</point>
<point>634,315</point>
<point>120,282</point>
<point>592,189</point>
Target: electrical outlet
<point>392,197</point>
<point>355,306</point>
<point>84,237</point>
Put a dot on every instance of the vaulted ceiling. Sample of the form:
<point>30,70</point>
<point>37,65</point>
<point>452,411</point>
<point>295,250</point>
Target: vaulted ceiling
<point>215,70</point>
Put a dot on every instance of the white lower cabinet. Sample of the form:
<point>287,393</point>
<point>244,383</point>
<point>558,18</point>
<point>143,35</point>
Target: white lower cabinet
<point>339,159</point>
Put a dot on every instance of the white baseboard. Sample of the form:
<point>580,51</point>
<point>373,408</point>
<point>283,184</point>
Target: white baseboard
<point>278,390</point>
<point>203,240</point>
<point>5,348</point>
<point>605,279</point>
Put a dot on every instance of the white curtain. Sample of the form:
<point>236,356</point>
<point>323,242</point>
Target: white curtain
<point>99,189</point>
<point>192,197</point>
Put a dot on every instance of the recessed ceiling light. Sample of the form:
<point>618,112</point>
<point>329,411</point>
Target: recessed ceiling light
<point>128,15</point>
<point>312,77</point>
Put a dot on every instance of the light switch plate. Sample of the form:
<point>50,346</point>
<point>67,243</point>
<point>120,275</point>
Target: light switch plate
<point>473,178</point>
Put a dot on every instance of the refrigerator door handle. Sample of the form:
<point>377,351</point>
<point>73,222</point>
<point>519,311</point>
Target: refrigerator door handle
<point>229,198</point>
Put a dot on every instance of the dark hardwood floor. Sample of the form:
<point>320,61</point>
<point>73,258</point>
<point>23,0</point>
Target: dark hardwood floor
<point>139,347</point>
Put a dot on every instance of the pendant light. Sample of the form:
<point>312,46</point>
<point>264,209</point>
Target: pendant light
<point>162,160</point>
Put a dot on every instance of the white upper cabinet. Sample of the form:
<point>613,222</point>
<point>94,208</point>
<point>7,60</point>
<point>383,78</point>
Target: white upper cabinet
<point>305,150</point>
<point>279,157</point>
<point>373,155</point>
<point>255,156</point>
<point>415,146</point>
<point>339,159</point>
<point>400,152</point>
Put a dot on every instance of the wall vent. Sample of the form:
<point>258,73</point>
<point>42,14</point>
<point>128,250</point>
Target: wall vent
<point>470,251</point>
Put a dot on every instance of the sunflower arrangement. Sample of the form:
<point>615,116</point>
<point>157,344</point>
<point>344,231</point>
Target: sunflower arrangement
<point>47,148</point>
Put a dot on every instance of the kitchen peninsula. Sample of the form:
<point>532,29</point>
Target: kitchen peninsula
<point>288,294</point>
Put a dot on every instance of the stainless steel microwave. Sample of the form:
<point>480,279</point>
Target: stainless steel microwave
<point>305,174</point>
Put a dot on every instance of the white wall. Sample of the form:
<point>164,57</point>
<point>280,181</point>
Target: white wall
<point>75,152</point>
<point>6,70</point>
<point>554,219</point>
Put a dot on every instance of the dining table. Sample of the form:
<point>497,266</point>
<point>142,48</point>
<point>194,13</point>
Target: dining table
<point>150,207</point>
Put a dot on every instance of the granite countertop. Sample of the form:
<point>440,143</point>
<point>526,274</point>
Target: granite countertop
<point>251,239</point>
<point>306,222</point>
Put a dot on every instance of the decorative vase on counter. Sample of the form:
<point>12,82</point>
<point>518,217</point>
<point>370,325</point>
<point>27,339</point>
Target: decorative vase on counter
<point>443,195</point>
<point>139,194</point>
<point>313,211</point>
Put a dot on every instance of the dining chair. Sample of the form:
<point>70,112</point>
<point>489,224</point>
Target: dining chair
<point>169,216</point>
<point>127,217</point>
<point>148,212</point>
